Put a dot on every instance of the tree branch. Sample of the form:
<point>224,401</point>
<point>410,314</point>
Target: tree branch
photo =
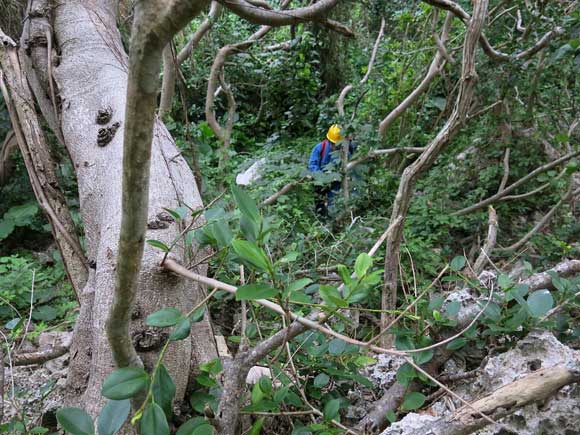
<point>276,18</point>
<point>411,173</point>
<point>487,249</point>
<point>434,69</point>
<point>515,185</point>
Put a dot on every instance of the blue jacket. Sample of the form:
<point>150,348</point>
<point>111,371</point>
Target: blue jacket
<point>317,161</point>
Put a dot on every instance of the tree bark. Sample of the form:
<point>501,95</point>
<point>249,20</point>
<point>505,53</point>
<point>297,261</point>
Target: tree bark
<point>92,77</point>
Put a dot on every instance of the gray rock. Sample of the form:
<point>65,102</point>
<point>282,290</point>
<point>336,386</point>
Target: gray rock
<point>383,373</point>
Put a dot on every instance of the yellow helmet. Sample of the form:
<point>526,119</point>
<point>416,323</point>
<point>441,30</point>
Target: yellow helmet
<point>333,134</point>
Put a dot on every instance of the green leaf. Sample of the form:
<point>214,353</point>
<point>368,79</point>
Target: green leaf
<point>181,331</point>
<point>413,401</point>
<point>246,204</point>
<point>257,426</point>
<point>321,380</point>
<point>344,274</point>
<point>22,215</point>
<point>457,263</point>
<point>280,394</point>
<point>153,421</point>
<point>288,258</point>
<point>197,315</point>
<point>251,253</point>
<point>540,302</point>
<point>255,291</point>
<point>363,361</point>
<point>423,357</point>
<point>391,416</point>
<point>158,244</point>
<point>76,421</point>
<point>452,308</point>
<point>336,346</point>
<point>174,214</point>
<point>331,296</point>
<point>504,281</point>
<point>45,313</point>
<point>195,426</point>
<point>298,285</point>
<point>164,317</point>
<point>222,233</point>
<point>406,374</point>
<point>362,265</point>
<point>124,383</point>
<point>113,416</point>
<point>249,228</point>
<point>6,228</point>
<point>257,394</point>
<point>331,409</point>
<point>164,390</point>
<point>265,384</point>
<point>458,343</point>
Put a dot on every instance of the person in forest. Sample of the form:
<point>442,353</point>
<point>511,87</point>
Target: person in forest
<point>324,155</point>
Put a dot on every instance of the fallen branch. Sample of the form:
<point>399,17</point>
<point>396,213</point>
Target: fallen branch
<point>535,387</point>
<point>40,357</point>
<point>544,279</point>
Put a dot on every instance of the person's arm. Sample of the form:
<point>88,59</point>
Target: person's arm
<point>314,161</point>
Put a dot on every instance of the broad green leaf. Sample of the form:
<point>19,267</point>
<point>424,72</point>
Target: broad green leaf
<point>251,253</point>
<point>249,228</point>
<point>158,244</point>
<point>6,228</point>
<point>412,401</point>
<point>265,384</point>
<point>504,281</point>
<point>458,343</point>
<point>164,390</point>
<point>255,291</point>
<point>164,317</point>
<point>181,331</point>
<point>21,215</point>
<point>423,357</point>
<point>540,302</point>
<point>153,421</point>
<point>75,421</point>
<point>406,374</point>
<point>452,308</point>
<point>331,409</point>
<point>336,346</point>
<point>124,383</point>
<point>195,426</point>
<point>288,258</point>
<point>222,233</point>
<point>321,380</point>
<point>298,284</point>
<point>331,296</point>
<point>113,416</point>
<point>362,265</point>
<point>457,263</point>
<point>246,204</point>
<point>363,361</point>
<point>174,214</point>
<point>197,315</point>
<point>45,313</point>
<point>391,416</point>
<point>280,394</point>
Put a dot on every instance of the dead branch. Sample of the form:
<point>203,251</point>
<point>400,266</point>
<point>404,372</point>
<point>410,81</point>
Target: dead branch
<point>410,175</point>
<point>436,65</point>
<point>284,190</point>
<point>25,359</point>
<point>483,257</point>
<point>39,163</point>
<point>348,88</point>
<point>533,192</point>
<point>1,384</point>
<point>337,27</point>
<point>520,22</point>
<point>535,387</point>
<point>570,194</point>
<point>515,185</point>
<point>544,279</point>
<point>271,17</point>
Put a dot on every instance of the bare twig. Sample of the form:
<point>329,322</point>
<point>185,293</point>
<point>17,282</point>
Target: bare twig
<point>506,170</point>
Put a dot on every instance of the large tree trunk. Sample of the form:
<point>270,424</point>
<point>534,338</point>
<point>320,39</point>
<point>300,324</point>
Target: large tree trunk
<point>92,77</point>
